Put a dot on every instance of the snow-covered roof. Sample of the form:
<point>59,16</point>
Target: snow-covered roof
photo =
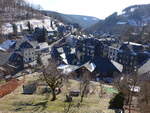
<point>144,68</point>
<point>60,50</point>
<point>106,39</point>
<point>68,68</point>
<point>6,45</point>
<point>90,66</point>
<point>117,65</point>
<point>63,55</point>
<point>7,28</point>
<point>132,43</point>
<point>121,23</point>
<point>43,45</point>
<point>73,50</point>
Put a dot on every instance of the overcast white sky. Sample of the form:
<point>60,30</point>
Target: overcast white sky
<point>97,8</point>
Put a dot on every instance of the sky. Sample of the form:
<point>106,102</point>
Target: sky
<point>97,8</point>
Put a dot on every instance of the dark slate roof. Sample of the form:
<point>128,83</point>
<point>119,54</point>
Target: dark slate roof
<point>4,56</point>
<point>104,65</point>
<point>131,48</point>
<point>25,45</point>
<point>70,58</point>
<point>54,53</point>
<point>142,57</point>
<point>16,60</point>
<point>126,47</point>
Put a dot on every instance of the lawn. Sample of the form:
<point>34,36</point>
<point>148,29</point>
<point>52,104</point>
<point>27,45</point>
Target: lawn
<point>2,82</point>
<point>16,102</point>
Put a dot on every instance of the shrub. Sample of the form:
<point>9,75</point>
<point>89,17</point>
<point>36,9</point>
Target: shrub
<point>117,102</point>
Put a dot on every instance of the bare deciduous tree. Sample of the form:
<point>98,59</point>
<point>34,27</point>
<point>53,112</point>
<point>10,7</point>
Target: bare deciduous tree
<point>101,93</point>
<point>84,84</point>
<point>53,78</point>
<point>126,84</point>
<point>144,96</point>
<point>70,108</point>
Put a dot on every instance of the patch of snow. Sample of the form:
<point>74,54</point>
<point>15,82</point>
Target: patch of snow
<point>63,55</point>
<point>73,50</point>
<point>144,68</point>
<point>117,65</point>
<point>65,60</point>
<point>132,22</point>
<point>60,50</point>
<point>85,18</point>
<point>2,49</point>
<point>90,66</point>
<point>133,9</point>
<point>7,27</point>
<point>66,69</point>
<point>43,45</point>
<point>132,43</point>
<point>6,45</point>
<point>121,23</point>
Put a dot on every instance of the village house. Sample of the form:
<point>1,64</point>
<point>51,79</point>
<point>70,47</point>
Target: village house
<point>131,56</point>
<point>43,49</point>
<point>28,52</point>
<point>113,53</point>
<point>52,36</point>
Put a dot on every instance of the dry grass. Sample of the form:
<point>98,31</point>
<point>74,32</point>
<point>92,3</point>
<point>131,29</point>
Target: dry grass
<point>16,102</point>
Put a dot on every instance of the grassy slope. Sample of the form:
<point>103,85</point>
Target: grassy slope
<point>17,102</point>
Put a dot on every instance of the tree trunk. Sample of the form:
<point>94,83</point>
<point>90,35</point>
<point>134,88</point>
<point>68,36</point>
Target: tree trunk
<point>83,93</point>
<point>130,103</point>
<point>53,95</point>
<point>82,96</point>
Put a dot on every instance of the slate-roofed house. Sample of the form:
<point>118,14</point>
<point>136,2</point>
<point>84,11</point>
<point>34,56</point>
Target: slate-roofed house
<point>66,54</point>
<point>51,36</point>
<point>113,53</point>
<point>43,48</point>
<point>99,67</point>
<point>131,55</point>
<point>27,49</point>
<point>4,56</point>
<point>16,60</point>
<point>28,52</point>
<point>85,50</point>
<point>104,67</point>
<point>40,34</point>
<point>99,48</point>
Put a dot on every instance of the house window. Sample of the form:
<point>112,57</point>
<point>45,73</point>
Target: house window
<point>29,59</point>
<point>26,59</point>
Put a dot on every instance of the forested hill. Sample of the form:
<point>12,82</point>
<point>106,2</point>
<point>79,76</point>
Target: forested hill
<point>83,21</point>
<point>133,23</point>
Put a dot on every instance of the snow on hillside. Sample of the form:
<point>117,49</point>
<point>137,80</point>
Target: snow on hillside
<point>85,18</point>
<point>46,22</point>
